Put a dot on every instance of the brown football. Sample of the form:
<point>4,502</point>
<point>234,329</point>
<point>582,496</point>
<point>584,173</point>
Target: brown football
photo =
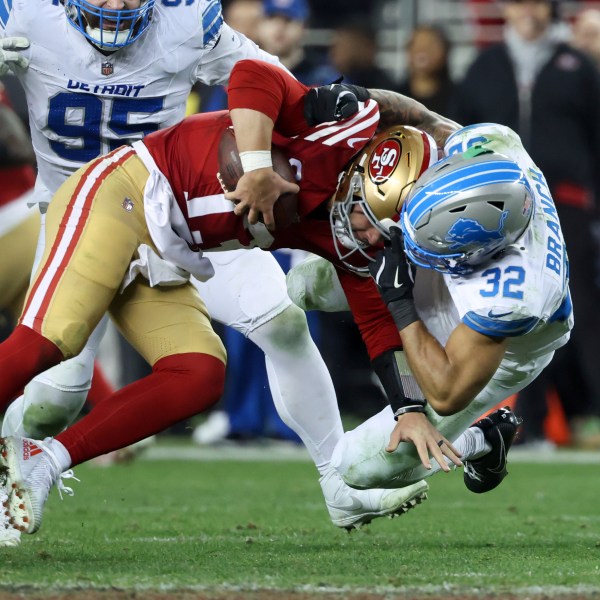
<point>285,210</point>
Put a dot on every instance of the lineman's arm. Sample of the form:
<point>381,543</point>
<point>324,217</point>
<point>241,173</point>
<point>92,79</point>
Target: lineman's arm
<point>451,376</point>
<point>383,344</point>
<point>397,109</point>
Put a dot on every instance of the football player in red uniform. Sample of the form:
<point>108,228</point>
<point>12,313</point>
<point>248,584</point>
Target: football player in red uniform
<point>163,194</point>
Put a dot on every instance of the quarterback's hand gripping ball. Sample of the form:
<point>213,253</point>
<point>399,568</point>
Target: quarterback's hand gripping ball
<point>285,210</point>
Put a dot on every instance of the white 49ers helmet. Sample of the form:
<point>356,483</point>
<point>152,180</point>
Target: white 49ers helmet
<point>377,182</point>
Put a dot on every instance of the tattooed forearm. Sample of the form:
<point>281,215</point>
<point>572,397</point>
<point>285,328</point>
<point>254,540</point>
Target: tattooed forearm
<point>396,109</point>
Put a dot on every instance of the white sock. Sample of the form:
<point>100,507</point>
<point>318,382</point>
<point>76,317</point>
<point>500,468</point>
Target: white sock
<point>300,383</point>
<point>472,444</point>
<point>61,454</point>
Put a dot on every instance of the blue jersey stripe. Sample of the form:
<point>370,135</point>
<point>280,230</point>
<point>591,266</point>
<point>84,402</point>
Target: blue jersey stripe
<point>5,8</point>
<point>563,312</point>
<point>497,328</point>
<point>212,20</point>
<point>469,178</point>
<point>475,174</point>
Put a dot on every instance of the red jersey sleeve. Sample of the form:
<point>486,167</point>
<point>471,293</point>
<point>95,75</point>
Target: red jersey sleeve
<point>271,90</point>
<point>374,320</point>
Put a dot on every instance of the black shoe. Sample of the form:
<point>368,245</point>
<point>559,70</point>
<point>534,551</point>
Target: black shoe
<point>486,473</point>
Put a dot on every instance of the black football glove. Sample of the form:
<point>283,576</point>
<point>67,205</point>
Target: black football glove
<point>333,102</point>
<point>395,278</point>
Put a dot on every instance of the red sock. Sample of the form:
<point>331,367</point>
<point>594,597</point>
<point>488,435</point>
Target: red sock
<point>179,387</point>
<point>101,388</point>
<point>24,355</point>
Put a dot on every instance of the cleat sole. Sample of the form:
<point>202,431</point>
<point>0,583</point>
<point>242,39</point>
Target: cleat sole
<point>357,522</point>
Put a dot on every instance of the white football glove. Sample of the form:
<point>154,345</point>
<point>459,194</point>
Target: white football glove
<point>8,56</point>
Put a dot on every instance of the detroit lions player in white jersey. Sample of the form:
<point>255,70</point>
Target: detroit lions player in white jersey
<point>489,307</point>
<point>109,72</point>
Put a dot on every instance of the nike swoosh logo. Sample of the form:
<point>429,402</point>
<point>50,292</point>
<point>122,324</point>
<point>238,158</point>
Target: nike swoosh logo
<point>352,504</point>
<point>493,315</point>
<point>397,285</point>
<point>355,140</point>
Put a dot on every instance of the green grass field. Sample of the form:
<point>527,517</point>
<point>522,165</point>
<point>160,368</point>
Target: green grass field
<point>230,525</point>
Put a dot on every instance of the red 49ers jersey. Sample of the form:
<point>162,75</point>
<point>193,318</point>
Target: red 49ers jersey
<point>187,154</point>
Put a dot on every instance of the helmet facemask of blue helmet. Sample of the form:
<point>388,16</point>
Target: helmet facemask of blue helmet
<point>465,210</point>
<point>109,29</point>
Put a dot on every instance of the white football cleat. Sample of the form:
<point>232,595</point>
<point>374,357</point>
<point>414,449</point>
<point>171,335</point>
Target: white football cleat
<point>8,535</point>
<point>350,508</point>
<point>32,471</point>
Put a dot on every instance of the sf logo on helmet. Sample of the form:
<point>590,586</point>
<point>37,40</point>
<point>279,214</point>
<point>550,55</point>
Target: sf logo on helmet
<point>384,160</point>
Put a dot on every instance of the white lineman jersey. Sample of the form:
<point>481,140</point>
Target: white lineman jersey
<point>523,295</point>
<point>83,103</point>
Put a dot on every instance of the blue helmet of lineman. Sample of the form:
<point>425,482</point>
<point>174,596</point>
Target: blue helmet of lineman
<point>464,210</point>
<point>109,29</point>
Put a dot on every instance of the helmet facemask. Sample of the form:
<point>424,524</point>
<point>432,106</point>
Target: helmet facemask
<point>377,182</point>
<point>108,29</point>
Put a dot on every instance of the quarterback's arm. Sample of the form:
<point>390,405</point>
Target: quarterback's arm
<point>260,96</point>
<point>397,109</point>
<point>451,375</point>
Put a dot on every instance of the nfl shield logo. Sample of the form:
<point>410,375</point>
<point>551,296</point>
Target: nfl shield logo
<point>107,68</point>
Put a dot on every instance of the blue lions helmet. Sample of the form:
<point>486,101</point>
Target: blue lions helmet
<point>464,210</point>
<point>109,29</point>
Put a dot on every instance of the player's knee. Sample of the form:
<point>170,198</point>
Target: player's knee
<point>74,374</point>
<point>48,410</point>
<point>198,378</point>
<point>287,332</point>
<point>314,285</point>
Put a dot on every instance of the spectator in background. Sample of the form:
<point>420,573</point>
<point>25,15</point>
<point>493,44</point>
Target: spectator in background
<point>245,16</point>
<point>282,32</point>
<point>549,93</point>
<point>353,52</point>
<point>428,70</point>
<point>586,33</point>
<point>327,14</point>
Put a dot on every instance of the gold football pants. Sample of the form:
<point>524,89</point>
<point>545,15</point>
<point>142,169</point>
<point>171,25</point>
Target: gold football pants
<point>94,225</point>
<point>17,251</point>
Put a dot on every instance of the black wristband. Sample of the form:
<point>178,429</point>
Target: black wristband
<point>386,368</point>
<point>403,312</point>
<point>420,408</point>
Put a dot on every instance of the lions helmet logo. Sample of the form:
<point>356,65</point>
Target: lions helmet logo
<point>468,231</point>
<point>384,160</point>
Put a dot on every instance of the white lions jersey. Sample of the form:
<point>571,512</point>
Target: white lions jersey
<point>524,294</point>
<point>83,103</point>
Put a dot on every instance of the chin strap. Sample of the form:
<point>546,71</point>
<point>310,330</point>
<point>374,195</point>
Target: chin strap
<point>403,392</point>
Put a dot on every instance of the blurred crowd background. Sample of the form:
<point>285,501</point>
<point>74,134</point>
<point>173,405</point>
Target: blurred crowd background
<point>532,65</point>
